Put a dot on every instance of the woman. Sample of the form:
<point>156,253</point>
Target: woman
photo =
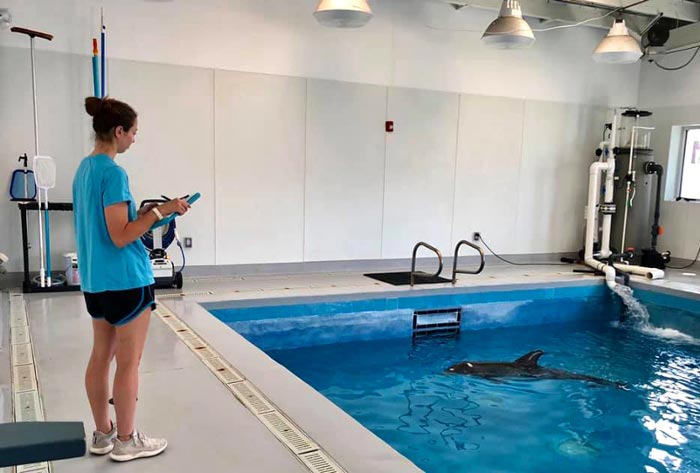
<point>116,278</point>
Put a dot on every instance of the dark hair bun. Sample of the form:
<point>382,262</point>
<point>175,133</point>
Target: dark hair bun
<point>93,105</point>
<point>107,114</point>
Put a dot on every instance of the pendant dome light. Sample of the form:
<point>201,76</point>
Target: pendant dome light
<point>343,13</point>
<point>509,30</point>
<point>618,47</point>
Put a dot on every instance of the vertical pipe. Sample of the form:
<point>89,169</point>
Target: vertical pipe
<point>102,56</point>
<point>27,284</point>
<point>593,193</point>
<point>36,153</point>
<point>95,69</point>
<point>609,187</point>
<point>659,170</point>
<point>48,241</point>
<point>630,183</point>
<point>36,111</point>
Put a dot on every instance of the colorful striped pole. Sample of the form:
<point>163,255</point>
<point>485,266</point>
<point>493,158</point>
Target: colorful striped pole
<point>95,69</point>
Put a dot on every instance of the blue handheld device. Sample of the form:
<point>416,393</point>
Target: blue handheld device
<point>193,198</point>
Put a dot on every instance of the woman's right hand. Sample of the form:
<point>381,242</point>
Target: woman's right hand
<point>179,206</point>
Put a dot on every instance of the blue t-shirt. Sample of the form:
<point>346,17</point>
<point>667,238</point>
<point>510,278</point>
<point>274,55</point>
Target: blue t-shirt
<point>98,183</point>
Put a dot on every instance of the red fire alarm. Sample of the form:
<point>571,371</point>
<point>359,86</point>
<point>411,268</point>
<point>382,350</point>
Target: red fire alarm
<point>389,126</point>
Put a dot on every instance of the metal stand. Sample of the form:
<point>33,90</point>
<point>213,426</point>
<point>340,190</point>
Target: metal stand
<point>27,285</point>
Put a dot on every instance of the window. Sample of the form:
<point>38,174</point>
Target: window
<point>690,165</point>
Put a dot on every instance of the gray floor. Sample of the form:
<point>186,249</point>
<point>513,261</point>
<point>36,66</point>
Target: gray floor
<point>207,428</point>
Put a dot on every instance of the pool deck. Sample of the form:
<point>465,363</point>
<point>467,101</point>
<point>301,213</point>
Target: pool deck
<point>180,398</point>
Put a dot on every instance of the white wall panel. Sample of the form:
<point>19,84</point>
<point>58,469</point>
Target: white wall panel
<point>174,150</point>
<point>420,170</point>
<point>488,170</point>
<point>559,141</point>
<point>260,146</point>
<point>344,171</point>
<point>280,185</point>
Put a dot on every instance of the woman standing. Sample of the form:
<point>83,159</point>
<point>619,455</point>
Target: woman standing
<point>116,278</point>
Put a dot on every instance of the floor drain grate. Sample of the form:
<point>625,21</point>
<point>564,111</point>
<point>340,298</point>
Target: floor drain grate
<point>18,317</point>
<point>22,354</point>
<point>289,434</point>
<point>25,403</point>
<point>199,347</point>
<point>20,335</point>
<point>185,333</point>
<point>24,378</point>
<point>174,324</point>
<point>34,468</point>
<point>224,372</point>
<point>251,397</point>
<point>28,407</point>
<point>319,462</point>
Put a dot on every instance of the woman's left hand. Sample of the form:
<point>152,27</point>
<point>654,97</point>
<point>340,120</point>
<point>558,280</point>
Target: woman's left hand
<point>146,208</point>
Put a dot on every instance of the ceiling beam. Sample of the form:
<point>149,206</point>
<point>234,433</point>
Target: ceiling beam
<point>684,37</point>
<point>578,10</point>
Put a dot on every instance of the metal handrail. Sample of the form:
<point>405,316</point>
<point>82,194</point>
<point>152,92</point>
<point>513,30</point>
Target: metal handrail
<point>461,271</point>
<point>413,260</point>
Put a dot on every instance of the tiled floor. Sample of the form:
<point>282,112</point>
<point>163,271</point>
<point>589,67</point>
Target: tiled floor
<point>208,429</point>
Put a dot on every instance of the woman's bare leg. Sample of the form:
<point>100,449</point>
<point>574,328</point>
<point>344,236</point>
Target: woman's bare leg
<point>130,341</point>
<point>97,372</point>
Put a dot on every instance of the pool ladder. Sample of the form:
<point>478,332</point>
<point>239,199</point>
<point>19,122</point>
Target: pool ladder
<point>413,260</point>
<point>456,257</point>
<point>455,271</point>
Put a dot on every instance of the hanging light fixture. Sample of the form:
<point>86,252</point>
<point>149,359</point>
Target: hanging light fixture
<point>343,13</point>
<point>618,47</point>
<point>509,30</point>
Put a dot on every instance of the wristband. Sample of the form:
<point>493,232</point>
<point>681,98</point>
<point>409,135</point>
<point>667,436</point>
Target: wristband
<point>158,214</point>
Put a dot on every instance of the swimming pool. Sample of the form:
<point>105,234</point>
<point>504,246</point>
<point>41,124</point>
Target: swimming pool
<point>362,356</point>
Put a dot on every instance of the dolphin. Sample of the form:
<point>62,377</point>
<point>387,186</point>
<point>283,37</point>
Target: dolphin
<point>524,367</point>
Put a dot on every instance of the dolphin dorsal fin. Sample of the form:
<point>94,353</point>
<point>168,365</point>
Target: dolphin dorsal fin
<point>530,359</point>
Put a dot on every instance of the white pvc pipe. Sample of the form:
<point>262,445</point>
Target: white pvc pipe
<point>608,151</point>
<point>591,210</point>
<point>42,271</point>
<point>36,112</point>
<point>649,273</point>
<point>592,206</point>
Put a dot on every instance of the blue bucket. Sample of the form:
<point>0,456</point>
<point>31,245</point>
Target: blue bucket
<point>22,185</point>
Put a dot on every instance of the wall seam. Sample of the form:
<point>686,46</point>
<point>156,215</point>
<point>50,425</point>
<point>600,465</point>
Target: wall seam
<point>454,176</point>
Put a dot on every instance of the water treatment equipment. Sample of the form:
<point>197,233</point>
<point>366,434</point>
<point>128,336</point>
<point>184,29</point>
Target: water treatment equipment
<point>633,187</point>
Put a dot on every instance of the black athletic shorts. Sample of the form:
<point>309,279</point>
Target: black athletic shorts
<point>120,307</point>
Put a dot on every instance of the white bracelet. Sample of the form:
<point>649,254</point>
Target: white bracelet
<point>157,212</point>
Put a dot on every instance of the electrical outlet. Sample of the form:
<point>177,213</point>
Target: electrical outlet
<point>476,236</point>
<point>5,18</point>
<point>188,242</point>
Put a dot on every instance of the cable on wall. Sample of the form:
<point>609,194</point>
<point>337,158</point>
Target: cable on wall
<point>517,264</point>
<point>678,68</point>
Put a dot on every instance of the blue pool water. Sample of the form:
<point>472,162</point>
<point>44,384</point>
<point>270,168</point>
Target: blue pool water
<point>369,365</point>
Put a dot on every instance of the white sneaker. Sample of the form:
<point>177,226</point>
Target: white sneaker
<point>103,443</point>
<point>138,446</point>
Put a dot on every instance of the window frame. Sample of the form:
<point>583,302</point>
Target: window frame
<point>681,158</point>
